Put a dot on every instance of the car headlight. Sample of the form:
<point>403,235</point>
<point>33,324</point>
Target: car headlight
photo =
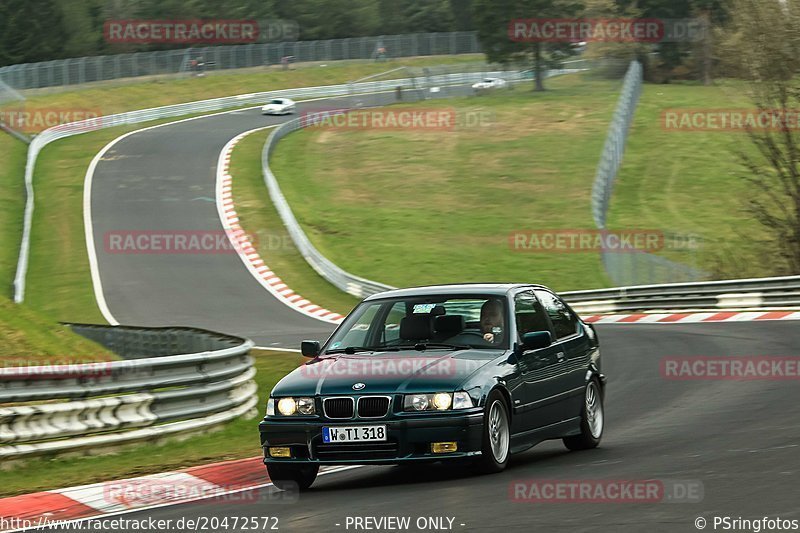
<point>462,400</point>
<point>442,401</point>
<point>305,406</point>
<point>291,406</point>
<point>439,401</point>
<point>287,406</point>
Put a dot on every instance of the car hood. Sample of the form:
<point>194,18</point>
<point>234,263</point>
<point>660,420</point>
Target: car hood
<point>385,372</point>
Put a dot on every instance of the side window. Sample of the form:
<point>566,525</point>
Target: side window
<point>529,314</point>
<point>564,322</point>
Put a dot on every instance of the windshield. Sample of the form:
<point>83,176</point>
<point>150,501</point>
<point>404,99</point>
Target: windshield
<point>276,102</point>
<point>429,322</point>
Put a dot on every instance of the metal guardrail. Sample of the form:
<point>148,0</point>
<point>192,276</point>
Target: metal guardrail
<point>350,283</point>
<point>193,380</point>
<point>204,106</point>
<point>757,293</point>
<point>65,72</point>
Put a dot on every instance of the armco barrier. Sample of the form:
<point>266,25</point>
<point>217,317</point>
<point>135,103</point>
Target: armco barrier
<point>204,106</point>
<point>192,380</point>
<point>758,293</point>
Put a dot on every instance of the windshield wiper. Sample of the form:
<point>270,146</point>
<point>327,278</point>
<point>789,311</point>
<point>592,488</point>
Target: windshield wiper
<point>422,346</point>
<point>350,350</point>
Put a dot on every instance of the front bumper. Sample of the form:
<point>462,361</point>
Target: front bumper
<point>408,439</point>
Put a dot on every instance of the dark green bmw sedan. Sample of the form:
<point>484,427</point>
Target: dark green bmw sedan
<point>471,372</point>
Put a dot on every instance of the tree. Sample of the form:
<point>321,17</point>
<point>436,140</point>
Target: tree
<point>462,15</point>
<point>614,57</point>
<point>429,15</point>
<point>30,31</point>
<point>764,43</point>
<point>492,18</point>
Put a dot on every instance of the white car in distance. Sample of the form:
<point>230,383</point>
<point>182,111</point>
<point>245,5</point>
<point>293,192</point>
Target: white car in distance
<point>490,83</point>
<point>279,106</point>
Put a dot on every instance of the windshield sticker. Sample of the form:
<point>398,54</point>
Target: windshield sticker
<point>423,308</point>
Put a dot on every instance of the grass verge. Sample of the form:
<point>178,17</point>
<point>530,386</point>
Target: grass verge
<point>410,206</point>
<point>111,98</point>
<point>30,338</point>
<point>258,217</point>
<point>689,182</point>
<point>238,439</point>
<point>12,205</point>
<point>416,206</point>
<point>58,281</point>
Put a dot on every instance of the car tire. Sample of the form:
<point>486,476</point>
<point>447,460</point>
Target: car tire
<point>496,440</point>
<point>592,419</point>
<point>292,477</point>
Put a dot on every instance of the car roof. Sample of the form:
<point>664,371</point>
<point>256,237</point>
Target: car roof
<point>498,289</point>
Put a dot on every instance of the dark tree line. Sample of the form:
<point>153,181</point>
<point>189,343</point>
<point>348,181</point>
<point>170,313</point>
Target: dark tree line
<point>41,30</point>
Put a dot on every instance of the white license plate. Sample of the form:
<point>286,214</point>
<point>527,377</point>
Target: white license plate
<point>353,434</point>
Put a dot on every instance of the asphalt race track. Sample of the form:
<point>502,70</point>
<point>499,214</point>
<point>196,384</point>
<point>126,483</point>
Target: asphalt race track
<point>163,179</point>
<point>739,440</point>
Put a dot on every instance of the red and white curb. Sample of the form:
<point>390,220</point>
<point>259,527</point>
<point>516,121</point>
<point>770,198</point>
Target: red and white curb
<point>244,247</point>
<point>220,482</point>
<point>672,318</point>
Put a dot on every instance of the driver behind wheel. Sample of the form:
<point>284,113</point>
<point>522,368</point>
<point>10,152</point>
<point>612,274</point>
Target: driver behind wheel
<point>492,321</point>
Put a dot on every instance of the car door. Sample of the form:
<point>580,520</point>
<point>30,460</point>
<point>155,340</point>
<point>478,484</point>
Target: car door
<point>573,352</point>
<point>536,400</point>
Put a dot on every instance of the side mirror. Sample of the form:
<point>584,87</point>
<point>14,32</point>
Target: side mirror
<point>535,340</point>
<point>310,348</point>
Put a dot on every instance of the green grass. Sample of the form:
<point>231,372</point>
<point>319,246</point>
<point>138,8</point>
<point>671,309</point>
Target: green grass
<point>409,207</point>
<point>31,338</point>
<point>690,182</point>
<point>58,280</point>
<point>12,205</point>
<point>259,218</point>
<point>116,97</point>
<point>238,439</point>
